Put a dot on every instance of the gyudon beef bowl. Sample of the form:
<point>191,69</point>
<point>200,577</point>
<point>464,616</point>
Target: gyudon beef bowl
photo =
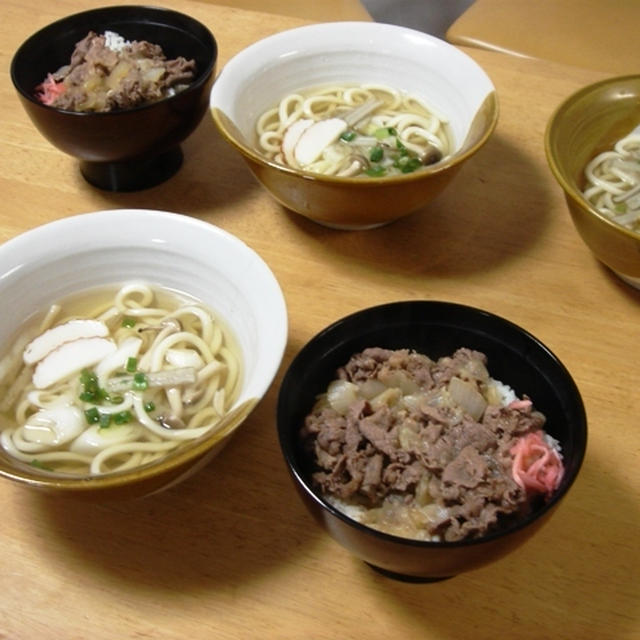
<point>133,345</point>
<point>119,88</point>
<point>354,125</point>
<point>430,438</point>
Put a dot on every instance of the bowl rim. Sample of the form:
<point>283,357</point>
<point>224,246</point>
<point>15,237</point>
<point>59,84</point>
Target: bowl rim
<point>452,160</point>
<point>200,446</point>
<point>570,191</point>
<point>203,78</point>
<point>288,450</point>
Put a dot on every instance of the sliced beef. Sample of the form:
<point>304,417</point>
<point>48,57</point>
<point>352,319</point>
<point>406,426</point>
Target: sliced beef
<point>402,449</point>
<point>99,78</point>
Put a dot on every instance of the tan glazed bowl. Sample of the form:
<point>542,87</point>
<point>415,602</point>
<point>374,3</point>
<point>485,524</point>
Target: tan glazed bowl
<point>588,122</point>
<point>70,255</point>
<point>354,53</point>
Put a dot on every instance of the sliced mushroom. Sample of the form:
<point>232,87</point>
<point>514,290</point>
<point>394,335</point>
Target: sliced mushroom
<point>170,326</point>
<point>69,358</point>
<point>167,378</point>
<point>357,164</point>
<point>53,338</point>
<point>171,422</point>
<point>361,111</point>
<point>431,155</point>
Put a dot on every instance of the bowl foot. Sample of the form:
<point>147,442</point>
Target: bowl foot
<point>406,578</point>
<point>133,175</point>
<point>634,282</point>
<point>351,227</point>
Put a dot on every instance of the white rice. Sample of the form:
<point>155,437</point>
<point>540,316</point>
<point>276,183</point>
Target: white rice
<point>506,393</point>
<point>114,41</point>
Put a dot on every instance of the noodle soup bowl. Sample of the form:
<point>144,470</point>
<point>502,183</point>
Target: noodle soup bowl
<point>50,263</point>
<point>436,329</point>
<point>126,149</point>
<point>443,77</point>
<point>587,123</point>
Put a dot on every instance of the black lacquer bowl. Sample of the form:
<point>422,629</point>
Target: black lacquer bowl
<point>435,329</point>
<point>129,149</point>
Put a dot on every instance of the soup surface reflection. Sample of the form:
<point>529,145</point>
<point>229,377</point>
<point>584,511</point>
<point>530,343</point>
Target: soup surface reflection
<point>116,378</point>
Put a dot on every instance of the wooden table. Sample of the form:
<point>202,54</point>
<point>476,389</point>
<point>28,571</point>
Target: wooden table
<point>593,34</point>
<point>232,553</point>
<point>324,11</point>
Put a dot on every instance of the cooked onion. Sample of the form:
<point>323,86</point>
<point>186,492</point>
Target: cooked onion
<point>468,397</point>
<point>341,394</point>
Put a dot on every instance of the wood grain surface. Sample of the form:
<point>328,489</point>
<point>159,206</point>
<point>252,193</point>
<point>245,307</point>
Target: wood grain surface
<point>587,33</point>
<point>232,553</point>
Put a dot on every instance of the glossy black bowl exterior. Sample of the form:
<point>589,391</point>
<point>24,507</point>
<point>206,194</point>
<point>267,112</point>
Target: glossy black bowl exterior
<point>435,329</point>
<point>131,148</point>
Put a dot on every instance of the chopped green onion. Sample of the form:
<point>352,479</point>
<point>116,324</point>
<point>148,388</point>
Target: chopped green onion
<point>91,390</point>
<point>621,207</point>
<point>105,420</point>
<point>348,136</point>
<point>140,382</point>
<point>115,399</point>
<point>149,407</point>
<point>411,165</point>
<point>103,394</point>
<point>376,172</point>
<point>132,364</point>
<point>92,415</point>
<point>128,322</point>
<point>89,380</point>
<point>384,132</point>
<point>38,465</point>
<point>122,417</point>
<point>375,155</point>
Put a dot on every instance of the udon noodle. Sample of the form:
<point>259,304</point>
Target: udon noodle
<point>613,182</point>
<point>369,130</point>
<point>117,384</point>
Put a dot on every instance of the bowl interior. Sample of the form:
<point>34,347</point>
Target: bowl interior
<point>51,47</point>
<point>585,124</point>
<point>359,52</point>
<point>167,249</point>
<point>437,329</point>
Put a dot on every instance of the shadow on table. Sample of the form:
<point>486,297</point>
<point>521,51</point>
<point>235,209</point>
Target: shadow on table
<point>469,228</point>
<point>232,522</point>
<point>539,590</point>
<point>213,176</point>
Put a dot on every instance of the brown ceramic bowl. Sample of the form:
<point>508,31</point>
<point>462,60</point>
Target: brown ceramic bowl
<point>347,53</point>
<point>128,149</point>
<point>436,329</point>
<point>62,258</point>
<point>588,122</point>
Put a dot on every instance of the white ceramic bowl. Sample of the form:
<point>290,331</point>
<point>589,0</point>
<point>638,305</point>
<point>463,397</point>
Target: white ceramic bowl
<point>354,52</point>
<point>50,262</point>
